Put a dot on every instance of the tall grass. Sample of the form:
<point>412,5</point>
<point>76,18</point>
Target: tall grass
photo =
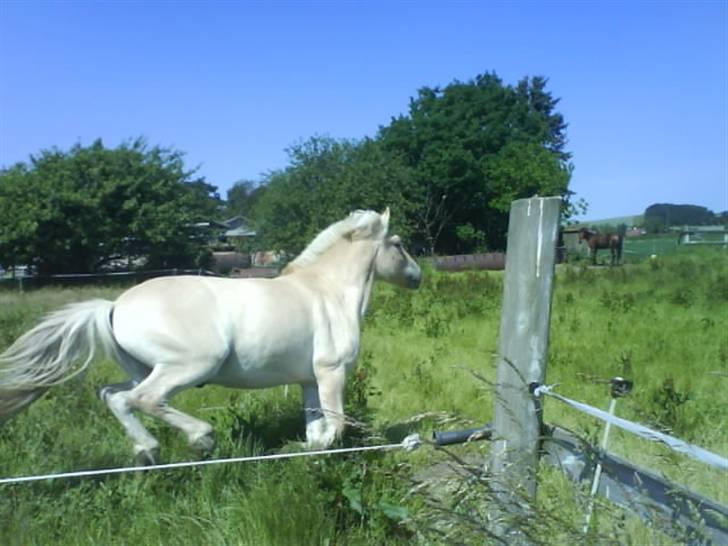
<point>661,322</point>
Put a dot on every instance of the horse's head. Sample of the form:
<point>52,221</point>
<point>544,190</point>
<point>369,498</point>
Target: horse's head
<point>585,234</point>
<point>392,262</point>
<point>343,240</point>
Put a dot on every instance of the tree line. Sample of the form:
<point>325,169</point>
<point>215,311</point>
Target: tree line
<point>448,169</point>
<point>661,216</point>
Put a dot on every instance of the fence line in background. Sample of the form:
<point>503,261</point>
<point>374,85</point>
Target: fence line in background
<point>26,281</point>
<point>138,273</point>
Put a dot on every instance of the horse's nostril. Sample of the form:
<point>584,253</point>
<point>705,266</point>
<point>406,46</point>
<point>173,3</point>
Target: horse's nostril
<point>414,281</point>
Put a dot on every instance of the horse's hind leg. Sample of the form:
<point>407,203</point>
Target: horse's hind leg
<point>146,446</point>
<point>152,394</point>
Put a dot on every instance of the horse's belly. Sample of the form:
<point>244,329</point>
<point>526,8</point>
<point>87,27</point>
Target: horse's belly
<point>259,378</point>
<point>253,368</point>
<point>272,342</point>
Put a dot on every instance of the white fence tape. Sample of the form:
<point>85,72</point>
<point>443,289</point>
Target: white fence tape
<point>640,430</point>
<point>410,443</point>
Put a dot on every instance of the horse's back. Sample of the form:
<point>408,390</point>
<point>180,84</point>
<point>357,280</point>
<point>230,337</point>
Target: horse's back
<point>162,318</point>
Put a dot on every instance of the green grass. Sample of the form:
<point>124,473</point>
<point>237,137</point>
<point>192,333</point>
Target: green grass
<point>662,322</point>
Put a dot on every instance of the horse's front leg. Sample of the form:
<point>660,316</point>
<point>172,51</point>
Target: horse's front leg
<point>315,422</point>
<point>324,406</point>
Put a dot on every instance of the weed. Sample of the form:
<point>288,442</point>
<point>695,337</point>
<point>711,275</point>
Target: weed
<point>666,402</point>
<point>422,376</point>
<point>436,323</point>
<point>360,387</point>
<point>682,296</point>
<point>717,289</point>
<point>616,302</point>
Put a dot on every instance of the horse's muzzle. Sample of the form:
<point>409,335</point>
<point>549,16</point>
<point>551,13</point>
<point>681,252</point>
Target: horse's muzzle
<point>414,280</point>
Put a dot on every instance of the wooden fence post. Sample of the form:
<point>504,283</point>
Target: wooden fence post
<point>522,353</point>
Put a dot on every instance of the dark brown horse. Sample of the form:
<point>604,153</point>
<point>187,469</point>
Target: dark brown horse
<point>595,241</point>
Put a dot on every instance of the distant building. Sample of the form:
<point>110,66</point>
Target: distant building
<point>634,232</point>
<point>230,231</point>
<point>238,227</point>
<point>568,245</point>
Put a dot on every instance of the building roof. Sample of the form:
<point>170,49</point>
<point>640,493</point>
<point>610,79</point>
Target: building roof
<point>238,226</point>
<point>240,232</point>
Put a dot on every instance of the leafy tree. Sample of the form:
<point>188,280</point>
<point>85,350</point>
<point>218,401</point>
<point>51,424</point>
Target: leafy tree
<point>242,198</point>
<point>325,181</point>
<point>666,214</point>
<point>473,147</point>
<point>654,224</point>
<point>76,211</point>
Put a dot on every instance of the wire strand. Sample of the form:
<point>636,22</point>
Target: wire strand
<point>410,443</point>
<point>676,444</point>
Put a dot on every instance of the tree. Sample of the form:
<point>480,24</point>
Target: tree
<point>242,198</point>
<point>473,147</point>
<point>76,211</point>
<point>325,181</point>
<point>665,214</point>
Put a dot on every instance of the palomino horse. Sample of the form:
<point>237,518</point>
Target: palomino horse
<point>173,333</point>
<point>595,241</point>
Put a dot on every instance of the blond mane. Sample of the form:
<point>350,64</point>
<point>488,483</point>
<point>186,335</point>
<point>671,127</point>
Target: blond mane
<point>360,224</point>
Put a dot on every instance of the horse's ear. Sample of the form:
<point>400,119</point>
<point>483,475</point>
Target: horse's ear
<point>385,219</point>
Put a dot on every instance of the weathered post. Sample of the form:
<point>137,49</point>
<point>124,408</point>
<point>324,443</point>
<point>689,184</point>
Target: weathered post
<point>522,352</point>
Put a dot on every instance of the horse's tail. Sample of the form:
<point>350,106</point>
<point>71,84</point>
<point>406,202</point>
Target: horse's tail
<point>61,346</point>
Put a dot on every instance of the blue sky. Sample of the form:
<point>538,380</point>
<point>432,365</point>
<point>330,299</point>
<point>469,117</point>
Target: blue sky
<point>643,85</point>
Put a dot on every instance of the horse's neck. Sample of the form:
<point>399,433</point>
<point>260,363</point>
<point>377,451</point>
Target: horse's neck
<point>364,299</point>
<point>348,273</point>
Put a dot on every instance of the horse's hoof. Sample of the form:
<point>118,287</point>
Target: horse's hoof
<point>319,444</point>
<point>203,445</point>
<point>147,457</point>
<point>103,392</point>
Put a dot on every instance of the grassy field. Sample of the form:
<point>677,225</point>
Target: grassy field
<point>662,322</point>
<point>639,248</point>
